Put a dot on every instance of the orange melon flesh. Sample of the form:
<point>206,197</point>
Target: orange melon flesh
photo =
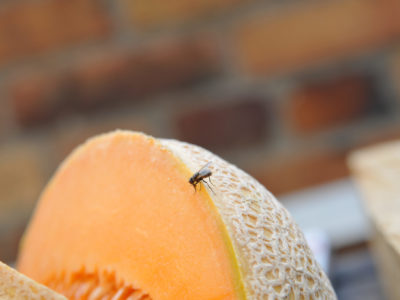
<point>120,219</point>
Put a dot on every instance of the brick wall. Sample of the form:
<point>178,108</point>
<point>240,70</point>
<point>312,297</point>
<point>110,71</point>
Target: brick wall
<point>284,90</point>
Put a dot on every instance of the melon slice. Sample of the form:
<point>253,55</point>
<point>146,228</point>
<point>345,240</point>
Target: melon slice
<point>119,220</point>
<point>14,285</point>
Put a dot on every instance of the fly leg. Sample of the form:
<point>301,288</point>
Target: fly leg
<point>209,186</point>
<point>194,186</point>
<point>209,178</point>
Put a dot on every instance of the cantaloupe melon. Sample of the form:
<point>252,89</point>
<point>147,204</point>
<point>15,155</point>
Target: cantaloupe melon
<point>120,220</point>
<point>16,286</point>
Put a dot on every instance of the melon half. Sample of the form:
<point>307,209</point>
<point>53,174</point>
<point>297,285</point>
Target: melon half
<point>119,220</point>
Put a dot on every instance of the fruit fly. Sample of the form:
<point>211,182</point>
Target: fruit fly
<point>200,175</point>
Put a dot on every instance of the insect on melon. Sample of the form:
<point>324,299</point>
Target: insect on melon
<point>120,220</point>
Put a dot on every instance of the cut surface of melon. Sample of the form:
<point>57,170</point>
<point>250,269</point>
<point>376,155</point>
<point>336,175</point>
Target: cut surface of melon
<point>14,285</point>
<point>119,219</point>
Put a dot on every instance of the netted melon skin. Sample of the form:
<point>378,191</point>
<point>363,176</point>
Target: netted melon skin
<point>14,285</point>
<point>274,259</point>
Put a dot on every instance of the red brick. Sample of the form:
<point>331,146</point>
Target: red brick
<point>22,177</point>
<point>7,120</point>
<point>156,13</point>
<point>300,170</point>
<point>101,79</point>
<point>40,97</point>
<point>32,27</point>
<point>221,126</point>
<point>312,32</point>
<point>154,69</point>
<point>394,70</point>
<point>108,78</point>
<point>324,104</point>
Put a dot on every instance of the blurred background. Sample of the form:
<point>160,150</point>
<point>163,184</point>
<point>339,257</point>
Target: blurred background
<point>283,89</point>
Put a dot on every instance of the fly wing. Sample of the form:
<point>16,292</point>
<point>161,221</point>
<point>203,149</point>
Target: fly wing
<point>205,171</point>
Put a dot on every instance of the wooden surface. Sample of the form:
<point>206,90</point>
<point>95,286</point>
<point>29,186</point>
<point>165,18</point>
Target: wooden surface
<point>376,171</point>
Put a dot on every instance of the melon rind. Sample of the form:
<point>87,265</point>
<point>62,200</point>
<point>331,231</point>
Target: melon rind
<point>14,285</point>
<point>274,259</point>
